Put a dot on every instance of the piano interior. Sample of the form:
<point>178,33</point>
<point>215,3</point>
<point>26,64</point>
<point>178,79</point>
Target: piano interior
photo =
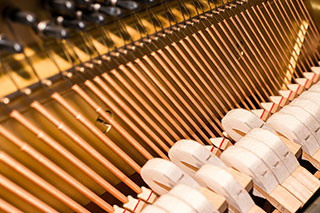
<point>99,97</point>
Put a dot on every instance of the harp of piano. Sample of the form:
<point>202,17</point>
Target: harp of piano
<point>159,106</point>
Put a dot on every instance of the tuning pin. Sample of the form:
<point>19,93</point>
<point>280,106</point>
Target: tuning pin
<point>129,5</point>
<point>10,46</point>
<point>22,17</point>
<point>108,10</point>
<point>83,2</point>
<point>62,5</point>
<point>94,17</point>
<point>111,11</point>
<point>50,30</point>
<point>74,24</point>
<point>148,2</point>
<point>125,4</point>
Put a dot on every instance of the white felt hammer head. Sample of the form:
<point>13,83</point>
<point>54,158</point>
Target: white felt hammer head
<point>292,128</point>
<point>266,155</point>
<point>223,183</point>
<point>190,156</point>
<point>161,175</point>
<point>312,96</point>
<point>306,117</point>
<point>173,205</point>
<point>153,209</point>
<point>308,105</point>
<point>238,122</point>
<point>274,142</point>
<point>315,88</point>
<point>194,198</point>
<point>248,163</point>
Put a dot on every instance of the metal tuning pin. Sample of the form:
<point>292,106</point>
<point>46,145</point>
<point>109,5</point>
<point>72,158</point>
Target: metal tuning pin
<point>51,30</point>
<point>111,11</point>
<point>108,10</point>
<point>148,2</point>
<point>46,28</point>
<point>83,4</point>
<point>19,16</point>
<point>125,4</point>
<point>129,5</point>
<point>10,46</point>
<point>94,17</point>
<point>61,6</point>
<point>74,24</point>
